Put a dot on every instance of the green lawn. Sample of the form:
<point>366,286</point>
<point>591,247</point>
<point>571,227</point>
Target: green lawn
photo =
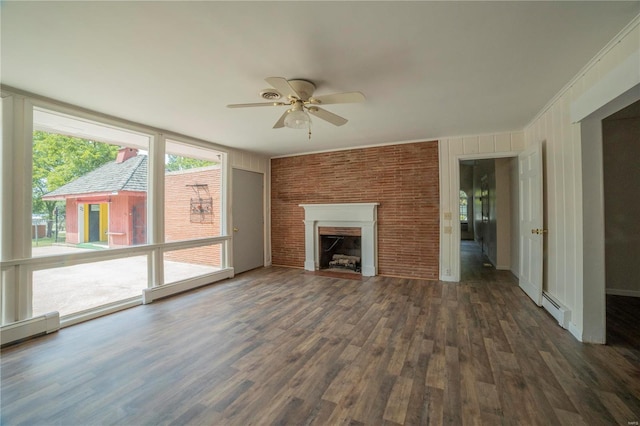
<point>48,241</point>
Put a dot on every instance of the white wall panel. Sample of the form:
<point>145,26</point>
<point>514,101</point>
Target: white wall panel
<point>248,161</point>
<point>455,146</point>
<point>517,142</point>
<point>503,142</point>
<point>486,144</point>
<point>470,144</point>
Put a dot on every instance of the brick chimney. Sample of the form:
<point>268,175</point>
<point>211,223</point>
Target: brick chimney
<point>125,153</point>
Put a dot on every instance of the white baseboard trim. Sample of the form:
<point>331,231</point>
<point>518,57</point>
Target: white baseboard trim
<point>43,324</point>
<point>448,278</point>
<point>155,293</point>
<point>573,329</point>
<point>561,313</point>
<point>622,292</point>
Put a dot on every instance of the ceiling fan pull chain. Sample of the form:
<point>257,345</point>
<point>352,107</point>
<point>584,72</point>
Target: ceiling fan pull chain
<point>309,130</point>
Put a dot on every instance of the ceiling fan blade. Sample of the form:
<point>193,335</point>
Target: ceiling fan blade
<point>282,85</point>
<point>259,104</point>
<point>332,118</point>
<point>338,98</point>
<point>280,123</point>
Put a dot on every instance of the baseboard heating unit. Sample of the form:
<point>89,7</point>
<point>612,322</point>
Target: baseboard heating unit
<point>43,324</point>
<point>561,313</point>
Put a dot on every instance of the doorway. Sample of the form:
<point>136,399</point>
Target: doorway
<point>94,222</point>
<point>488,216</point>
<point>594,236</point>
<point>621,180</point>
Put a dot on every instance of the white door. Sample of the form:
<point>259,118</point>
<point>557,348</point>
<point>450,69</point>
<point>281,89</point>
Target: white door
<point>531,221</point>
<point>248,220</point>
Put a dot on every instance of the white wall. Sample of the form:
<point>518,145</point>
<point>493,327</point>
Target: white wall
<point>565,159</point>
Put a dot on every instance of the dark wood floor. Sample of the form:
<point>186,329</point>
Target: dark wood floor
<point>279,346</point>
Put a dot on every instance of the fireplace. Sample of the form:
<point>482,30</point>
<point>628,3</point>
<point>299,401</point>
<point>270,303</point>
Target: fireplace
<point>352,226</point>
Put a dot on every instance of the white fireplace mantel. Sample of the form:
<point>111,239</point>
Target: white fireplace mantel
<point>348,215</point>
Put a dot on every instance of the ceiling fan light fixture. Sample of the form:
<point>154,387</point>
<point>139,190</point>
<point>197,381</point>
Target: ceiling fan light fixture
<point>297,119</point>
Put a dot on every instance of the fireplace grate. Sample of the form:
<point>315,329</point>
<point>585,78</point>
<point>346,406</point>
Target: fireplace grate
<point>345,261</point>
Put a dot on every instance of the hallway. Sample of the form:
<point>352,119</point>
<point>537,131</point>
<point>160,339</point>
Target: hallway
<point>475,266</point>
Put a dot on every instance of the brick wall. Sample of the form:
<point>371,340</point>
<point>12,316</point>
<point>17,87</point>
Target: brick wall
<point>177,214</point>
<point>402,178</point>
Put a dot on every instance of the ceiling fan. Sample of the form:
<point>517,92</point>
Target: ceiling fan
<point>300,99</point>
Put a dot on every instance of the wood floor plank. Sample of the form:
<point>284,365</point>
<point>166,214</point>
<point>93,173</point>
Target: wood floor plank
<point>433,411</point>
<point>452,392</point>
<point>617,408</point>
<point>488,399</point>
<point>396,409</point>
<point>417,399</point>
<point>468,396</point>
<point>279,346</point>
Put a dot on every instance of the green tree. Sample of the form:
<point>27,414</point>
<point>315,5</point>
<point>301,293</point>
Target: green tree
<point>176,162</point>
<point>59,159</point>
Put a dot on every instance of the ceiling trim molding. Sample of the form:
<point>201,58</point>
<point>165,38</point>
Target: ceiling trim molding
<point>438,139</point>
<point>324,151</point>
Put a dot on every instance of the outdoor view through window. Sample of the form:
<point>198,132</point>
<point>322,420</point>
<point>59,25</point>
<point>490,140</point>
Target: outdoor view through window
<point>90,194</point>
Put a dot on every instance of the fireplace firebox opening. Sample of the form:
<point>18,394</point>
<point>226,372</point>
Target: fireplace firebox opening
<point>340,249</point>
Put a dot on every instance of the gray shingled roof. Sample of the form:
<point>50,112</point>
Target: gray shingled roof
<point>130,175</point>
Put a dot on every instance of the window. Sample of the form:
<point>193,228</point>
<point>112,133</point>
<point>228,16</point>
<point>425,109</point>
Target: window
<point>89,194</point>
<point>192,209</point>
<point>89,185</point>
<point>463,207</point>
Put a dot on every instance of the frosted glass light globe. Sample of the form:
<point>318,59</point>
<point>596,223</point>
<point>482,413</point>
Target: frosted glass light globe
<point>297,120</point>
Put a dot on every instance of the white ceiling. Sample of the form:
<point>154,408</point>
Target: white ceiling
<point>428,69</point>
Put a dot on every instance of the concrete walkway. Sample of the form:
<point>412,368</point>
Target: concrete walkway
<point>72,289</point>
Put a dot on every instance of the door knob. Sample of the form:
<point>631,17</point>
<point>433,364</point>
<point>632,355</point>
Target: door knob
<point>235,229</point>
<point>539,231</point>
